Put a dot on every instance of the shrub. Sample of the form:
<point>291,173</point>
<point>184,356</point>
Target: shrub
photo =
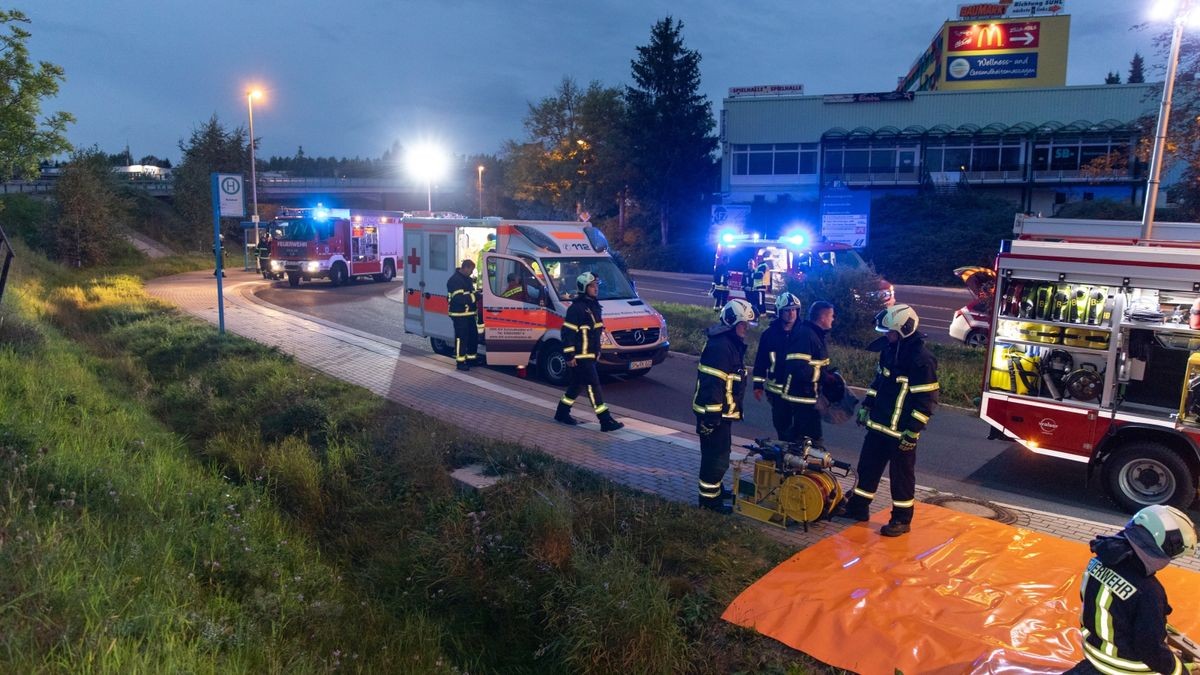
<point>846,288</point>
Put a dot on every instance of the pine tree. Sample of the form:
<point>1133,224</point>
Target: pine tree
<point>1136,66</point>
<point>1112,78</point>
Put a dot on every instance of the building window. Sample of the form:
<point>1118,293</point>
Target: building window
<point>779,159</point>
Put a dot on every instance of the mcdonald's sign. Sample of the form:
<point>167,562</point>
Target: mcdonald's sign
<point>994,36</point>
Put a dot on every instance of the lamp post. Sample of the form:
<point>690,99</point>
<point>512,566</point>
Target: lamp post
<point>479,188</point>
<point>1181,9</point>
<point>250,96</point>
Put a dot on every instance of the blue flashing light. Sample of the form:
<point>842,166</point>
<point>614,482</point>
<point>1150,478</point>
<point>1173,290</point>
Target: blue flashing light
<point>728,238</point>
<point>320,213</point>
<point>796,240</point>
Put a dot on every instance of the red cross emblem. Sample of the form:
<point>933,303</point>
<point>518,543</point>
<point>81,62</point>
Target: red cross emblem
<point>413,260</point>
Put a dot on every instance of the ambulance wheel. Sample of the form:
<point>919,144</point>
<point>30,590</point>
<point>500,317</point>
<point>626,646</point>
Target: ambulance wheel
<point>293,279</point>
<point>441,347</point>
<point>389,273</point>
<point>976,338</point>
<point>552,365</point>
<point>1142,473</point>
<point>337,274</point>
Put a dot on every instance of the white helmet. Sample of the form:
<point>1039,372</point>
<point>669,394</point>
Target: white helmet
<point>584,280</point>
<point>786,300</point>
<point>1171,528</point>
<point>736,311</point>
<point>900,318</point>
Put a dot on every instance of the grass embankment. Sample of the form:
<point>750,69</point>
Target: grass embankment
<point>960,368</point>
<point>174,501</point>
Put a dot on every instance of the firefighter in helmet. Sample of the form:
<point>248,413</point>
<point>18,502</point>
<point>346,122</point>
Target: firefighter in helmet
<point>720,384</point>
<point>895,411</point>
<point>1124,617</point>
<point>804,360</point>
<point>581,331</point>
<point>264,255</point>
<point>771,360</point>
<point>460,293</point>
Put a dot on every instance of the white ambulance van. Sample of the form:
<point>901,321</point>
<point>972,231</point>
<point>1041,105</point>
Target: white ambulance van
<point>526,279</point>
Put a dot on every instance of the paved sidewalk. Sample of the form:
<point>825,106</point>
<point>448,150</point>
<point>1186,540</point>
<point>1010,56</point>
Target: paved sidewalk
<point>651,454</point>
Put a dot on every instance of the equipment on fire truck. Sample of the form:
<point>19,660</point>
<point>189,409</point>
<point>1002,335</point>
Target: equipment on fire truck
<point>1055,368</point>
<point>792,483</point>
<point>1084,383</point>
<point>1014,370</point>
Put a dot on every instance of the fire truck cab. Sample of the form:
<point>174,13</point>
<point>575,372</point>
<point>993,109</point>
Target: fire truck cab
<point>1094,354</point>
<point>336,244</point>
<point>526,283</point>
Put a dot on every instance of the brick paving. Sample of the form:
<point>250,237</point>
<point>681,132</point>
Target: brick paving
<point>651,454</point>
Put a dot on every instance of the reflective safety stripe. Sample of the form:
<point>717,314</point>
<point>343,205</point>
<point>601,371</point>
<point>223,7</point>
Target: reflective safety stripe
<point>1116,665</point>
<point>798,399</point>
<point>567,401</point>
<point>914,435</point>
<point>602,409</point>
<point>570,325</point>
<point>709,370</point>
<point>917,389</point>
<point>872,424</point>
<point>710,486</point>
<point>799,356</point>
<point>454,293</point>
<point>863,493</point>
<point>759,380</point>
<point>900,400</point>
<point>707,490</point>
<point>871,392</point>
<point>917,414</point>
<point>905,504</point>
<point>586,356</point>
<point>462,313</point>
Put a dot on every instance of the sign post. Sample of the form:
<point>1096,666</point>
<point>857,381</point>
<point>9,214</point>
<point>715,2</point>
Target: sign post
<point>229,200</point>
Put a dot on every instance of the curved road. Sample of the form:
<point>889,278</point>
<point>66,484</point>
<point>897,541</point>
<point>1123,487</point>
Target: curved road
<point>954,453</point>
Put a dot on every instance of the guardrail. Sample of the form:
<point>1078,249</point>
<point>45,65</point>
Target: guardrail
<point>7,252</point>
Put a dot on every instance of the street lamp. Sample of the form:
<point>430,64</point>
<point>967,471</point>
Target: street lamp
<point>427,162</point>
<point>250,96</point>
<point>1181,11</point>
<point>479,189</point>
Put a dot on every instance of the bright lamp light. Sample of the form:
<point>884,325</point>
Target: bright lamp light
<point>1162,10</point>
<point>427,162</point>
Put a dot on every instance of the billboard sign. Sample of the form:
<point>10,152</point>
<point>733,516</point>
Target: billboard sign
<point>994,36</point>
<point>767,90</point>
<point>730,217</point>
<point>846,216</point>
<point>997,67</point>
<point>1009,9</point>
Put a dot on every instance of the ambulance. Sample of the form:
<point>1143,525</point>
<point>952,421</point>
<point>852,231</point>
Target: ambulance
<point>335,244</point>
<point>526,278</point>
<point>1094,355</point>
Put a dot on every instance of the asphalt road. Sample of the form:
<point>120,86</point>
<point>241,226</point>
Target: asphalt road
<point>935,306</point>
<point>954,455</point>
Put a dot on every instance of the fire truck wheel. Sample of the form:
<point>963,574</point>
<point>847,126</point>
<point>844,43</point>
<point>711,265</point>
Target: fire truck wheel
<point>552,364</point>
<point>389,273</point>
<point>1142,473</point>
<point>337,274</point>
<point>294,279</point>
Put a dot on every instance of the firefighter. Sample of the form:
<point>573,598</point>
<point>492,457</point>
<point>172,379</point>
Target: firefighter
<point>895,410</point>
<point>460,294</point>
<point>219,258</point>
<point>264,255</point>
<point>581,331</point>
<point>805,357</point>
<point>720,384</point>
<point>770,360</point>
<point>758,282</point>
<point>1124,617</point>
<point>720,283</point>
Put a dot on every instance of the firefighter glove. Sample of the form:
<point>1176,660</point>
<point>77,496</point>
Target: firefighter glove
<point>862,416</point>
<point>908,443</point>
<point>705,426</point>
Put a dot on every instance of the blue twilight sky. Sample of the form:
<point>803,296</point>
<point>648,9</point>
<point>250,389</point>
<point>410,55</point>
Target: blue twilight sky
<point>348,77</point>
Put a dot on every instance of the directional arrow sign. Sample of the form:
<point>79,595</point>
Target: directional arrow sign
<point>994,36</point>
<point>1024,38</point>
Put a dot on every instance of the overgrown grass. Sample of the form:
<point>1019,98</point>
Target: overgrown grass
<point>960,368</point>
<point>175,501</point>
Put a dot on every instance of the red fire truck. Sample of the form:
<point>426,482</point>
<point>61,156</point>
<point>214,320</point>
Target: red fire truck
<point>336,244</point>
<point>1095,352</point>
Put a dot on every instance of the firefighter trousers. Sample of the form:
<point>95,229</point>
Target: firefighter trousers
<point>758,298</point>
<point>466,340</point>
<point>720,298</point>
<point>793,421</point>
<point>880,451</point>
<point>586,379</point>
<point>715,442</point>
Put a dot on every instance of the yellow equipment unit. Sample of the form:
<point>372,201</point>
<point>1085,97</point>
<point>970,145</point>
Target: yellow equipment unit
<point>793,483</point>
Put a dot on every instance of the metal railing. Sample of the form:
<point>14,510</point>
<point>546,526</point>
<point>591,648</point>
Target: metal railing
<point>7,253</point>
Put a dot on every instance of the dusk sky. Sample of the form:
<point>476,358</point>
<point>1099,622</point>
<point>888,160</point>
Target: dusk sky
<point>348,78</point>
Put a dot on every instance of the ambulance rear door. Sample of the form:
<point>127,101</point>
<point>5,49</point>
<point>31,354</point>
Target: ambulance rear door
<point>414,280</point>
<point>515,313</point>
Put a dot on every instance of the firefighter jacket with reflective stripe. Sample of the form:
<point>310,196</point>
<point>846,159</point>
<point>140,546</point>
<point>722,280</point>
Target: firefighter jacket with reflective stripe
<point>759,279</point>
<point>768,361</point>
<point>1125,618</point>
<point>460,293</point>
<point>582,328</point>
<point>905,391</point>
<point>721,381</point>
<point>804,358</point>
<point>720,280</point>
<point>264,248</point>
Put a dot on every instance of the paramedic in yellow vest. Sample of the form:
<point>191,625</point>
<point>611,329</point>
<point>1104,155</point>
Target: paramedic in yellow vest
<point>758,283</point>
<point>482,271</point>
<point>460,294</point>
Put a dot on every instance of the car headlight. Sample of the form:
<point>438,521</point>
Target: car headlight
<point>606,340</point>
<point>662,331</point>
<point>313,266</point>
<point>276,264</point>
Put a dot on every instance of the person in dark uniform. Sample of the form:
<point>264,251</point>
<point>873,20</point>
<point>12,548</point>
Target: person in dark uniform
<point>770,362</point>
<point>895,410</point>
<point>219,258</point>
<point>1124,617</point>
<point>460,294</point>
<point>804,362</point>
<point>720,384</point>
<point>264,255</point>
<point>759,282</point>
<point>581,331</point>
<point>720,283</point>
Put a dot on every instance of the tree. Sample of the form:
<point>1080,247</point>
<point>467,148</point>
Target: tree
<point>23,140</point>
<point>1112,78</point>
<point>211,149</point>
<point>669,125</point>
<point>573,161</point>
<point>90,211</point>
<point>1136,74</point>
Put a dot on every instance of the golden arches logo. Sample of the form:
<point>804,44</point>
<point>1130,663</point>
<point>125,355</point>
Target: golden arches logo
<point>989,36</point>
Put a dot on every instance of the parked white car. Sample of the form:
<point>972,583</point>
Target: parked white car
<point>972,323</point>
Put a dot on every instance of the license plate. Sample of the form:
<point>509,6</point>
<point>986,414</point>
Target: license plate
<point>638,365</point>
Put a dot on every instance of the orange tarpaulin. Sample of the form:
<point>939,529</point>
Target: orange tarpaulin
<point>959,594</point>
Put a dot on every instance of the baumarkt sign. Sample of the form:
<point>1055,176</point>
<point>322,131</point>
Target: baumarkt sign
<point>1009,9</point>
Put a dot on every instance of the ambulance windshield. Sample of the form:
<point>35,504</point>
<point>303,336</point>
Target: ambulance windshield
<point>563,272</point>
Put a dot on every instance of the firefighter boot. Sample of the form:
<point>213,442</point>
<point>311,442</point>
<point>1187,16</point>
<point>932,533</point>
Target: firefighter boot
<point>895,528</point>
<point>715,504</point>
<point>563,414</point>
<point>607,423</point>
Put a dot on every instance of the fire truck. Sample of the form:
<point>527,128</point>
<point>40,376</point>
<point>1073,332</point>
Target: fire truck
<point>336,244</point>
<point>1094,354</point>
<point>526,283</point>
